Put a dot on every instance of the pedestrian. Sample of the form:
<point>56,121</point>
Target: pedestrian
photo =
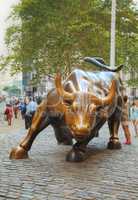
<point>22,108</point>
<point>134,117</point>
<point>30,111</point>
<point>16,108</point>
<point>8,114</point>
<point>125,121</point>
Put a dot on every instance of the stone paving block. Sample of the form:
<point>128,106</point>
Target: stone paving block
<point>105,175</point>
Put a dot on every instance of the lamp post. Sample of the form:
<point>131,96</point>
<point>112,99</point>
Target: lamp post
<point>112,42</point>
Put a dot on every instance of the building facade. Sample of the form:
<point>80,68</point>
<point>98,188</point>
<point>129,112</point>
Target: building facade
<point>8,80</point>
<point>39,89</point>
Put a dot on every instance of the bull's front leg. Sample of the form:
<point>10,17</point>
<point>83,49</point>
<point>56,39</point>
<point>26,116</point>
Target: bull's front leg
<point>80,152</point>
<point>39,122</point>
<point>113,123</point>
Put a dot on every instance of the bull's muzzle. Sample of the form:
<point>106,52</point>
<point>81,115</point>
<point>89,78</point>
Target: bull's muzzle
<point>80,131</point>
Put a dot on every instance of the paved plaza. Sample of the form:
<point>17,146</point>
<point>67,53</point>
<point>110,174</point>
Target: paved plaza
<point>105,175</point>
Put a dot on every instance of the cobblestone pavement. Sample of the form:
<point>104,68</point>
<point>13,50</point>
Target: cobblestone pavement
<point>105,175</point>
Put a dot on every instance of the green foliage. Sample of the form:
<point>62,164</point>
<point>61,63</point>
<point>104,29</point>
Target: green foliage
<point>48,35</point>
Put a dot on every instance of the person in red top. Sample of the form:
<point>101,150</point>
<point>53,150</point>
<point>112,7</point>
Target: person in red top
<point>9,113</point>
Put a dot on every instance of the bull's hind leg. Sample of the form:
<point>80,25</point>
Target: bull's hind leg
<point>113,123</point>
<point>39,122</point>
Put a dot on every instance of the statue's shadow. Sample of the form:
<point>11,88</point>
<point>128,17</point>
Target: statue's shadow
<point>95,153</point>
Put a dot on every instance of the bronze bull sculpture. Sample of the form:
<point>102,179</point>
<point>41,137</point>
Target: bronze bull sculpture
<point>78,108</point>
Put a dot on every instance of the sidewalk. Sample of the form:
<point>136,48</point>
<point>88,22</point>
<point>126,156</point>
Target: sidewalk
<point>17,124</point>
<point>105,175</point>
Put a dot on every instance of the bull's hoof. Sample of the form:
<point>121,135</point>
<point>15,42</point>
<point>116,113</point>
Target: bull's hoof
<point>76,155</point>
<point>114,145</point>
<point>18,153</point>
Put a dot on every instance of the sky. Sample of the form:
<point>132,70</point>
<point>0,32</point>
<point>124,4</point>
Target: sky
<point>5,8</point>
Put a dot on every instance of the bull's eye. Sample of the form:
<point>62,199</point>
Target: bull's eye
<point>67,102</point>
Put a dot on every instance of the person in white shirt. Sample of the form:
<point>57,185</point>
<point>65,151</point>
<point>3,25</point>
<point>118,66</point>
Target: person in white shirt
<point>31,106</point>
<point>30,111</point>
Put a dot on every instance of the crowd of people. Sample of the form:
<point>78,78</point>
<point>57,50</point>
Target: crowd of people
<point>25,106</point>
<point>28,105</point>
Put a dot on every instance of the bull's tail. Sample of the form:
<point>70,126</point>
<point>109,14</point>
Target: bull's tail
<point>99,62</point>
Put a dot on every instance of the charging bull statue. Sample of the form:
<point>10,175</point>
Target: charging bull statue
<point>77,109</point>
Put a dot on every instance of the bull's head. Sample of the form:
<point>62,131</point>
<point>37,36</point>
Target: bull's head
<point>80,108</point>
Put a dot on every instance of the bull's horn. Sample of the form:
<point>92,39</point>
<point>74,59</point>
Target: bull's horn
<point>60,89</point>
<point>108,99</point>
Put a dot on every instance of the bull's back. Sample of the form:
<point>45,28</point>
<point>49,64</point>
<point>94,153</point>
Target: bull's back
<point>96,82</point>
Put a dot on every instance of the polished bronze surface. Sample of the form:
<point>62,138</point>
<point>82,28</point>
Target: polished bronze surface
<point>78,108</point>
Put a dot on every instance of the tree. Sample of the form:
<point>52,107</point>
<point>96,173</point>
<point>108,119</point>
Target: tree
<point>50,35</point>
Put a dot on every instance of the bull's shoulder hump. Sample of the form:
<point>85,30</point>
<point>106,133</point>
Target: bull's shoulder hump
<point>92,75</point>
<point>76,72</point>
